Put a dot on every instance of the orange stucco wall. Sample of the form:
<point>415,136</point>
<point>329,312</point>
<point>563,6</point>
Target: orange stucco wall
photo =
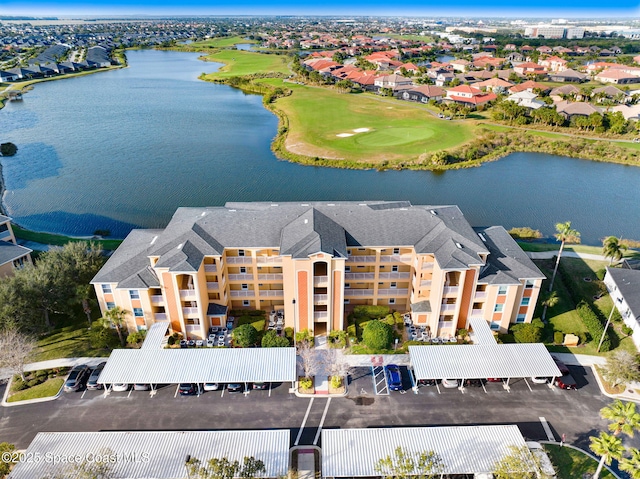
<point>337,301</point>
<point>303,301</point>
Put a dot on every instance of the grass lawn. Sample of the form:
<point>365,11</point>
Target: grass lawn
<point>396,130</point>
<point>48,388</point>
<point>578,248</point>
<point>571,464</point>
<point>221,42</point>
<point>60,240</point>
<point>240,62</point>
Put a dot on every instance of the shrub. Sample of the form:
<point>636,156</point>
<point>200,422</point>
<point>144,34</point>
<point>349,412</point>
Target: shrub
<point>558,337</point>
<point>336,382</point>
<point>41,374</point>
<point>247,312</point>
<point>305,383</point>
<point>593,325</point>
<point>304,335</point>
<point>288,333</point>
<point>338,338</point>
<point>526,333</point>
<point>245,335</point>
<point>600,273</point>
<point>272,340</point>
<point>171,341</point>
<point>33,382</point>
<point>626,330</point>
<point>372,312</point>
<point>463,333</point>
<point>525,233</point>
<point>136,337</point>
<point>351,331</point>
<point>377,335</point>
<point>18,384</point>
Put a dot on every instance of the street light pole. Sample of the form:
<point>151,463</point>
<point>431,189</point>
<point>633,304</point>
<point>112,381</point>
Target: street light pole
<point>613,307</point>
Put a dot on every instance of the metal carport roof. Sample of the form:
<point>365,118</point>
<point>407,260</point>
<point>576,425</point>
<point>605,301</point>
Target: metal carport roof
<point>481,332</point>
<point>155,454</point>
<point>206,365</point>
<point>155,335</point>
<point>462,449</point>
<point>480,361</point>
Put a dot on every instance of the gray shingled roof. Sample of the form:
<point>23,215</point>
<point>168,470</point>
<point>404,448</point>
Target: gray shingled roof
<point>421,306</point>
<point>507,263</point>
<point>628,283</point>
<point>297,229</point>
<point>10,252</point>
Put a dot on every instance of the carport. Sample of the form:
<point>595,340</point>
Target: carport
<point>206,365</point>
<point>482,361</point>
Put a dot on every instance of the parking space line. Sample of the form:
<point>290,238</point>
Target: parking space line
<point>438,387</point>
<point>176,393</point>
<point>130,391</point>
<point>83,393</point>
<point>547,429</point>
<point>324,415</point>
<point>269,389</point>
<point>304,421</point>
<point>222,394</point>
<point>485,389</point>
<point>527,383</point>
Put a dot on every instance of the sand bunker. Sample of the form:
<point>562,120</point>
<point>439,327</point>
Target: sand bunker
<point>344,135</point>
<point>357,130</point>
<point>360,130</point>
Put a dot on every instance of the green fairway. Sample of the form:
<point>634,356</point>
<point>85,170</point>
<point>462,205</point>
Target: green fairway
<point>325,123</point>
<point>240,62</point>
<point>221,42</point>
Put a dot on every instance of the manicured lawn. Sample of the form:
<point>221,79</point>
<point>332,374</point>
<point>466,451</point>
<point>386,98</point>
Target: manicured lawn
<point>240,62</point>
<point>48,388</point>
<point>578,248</point>
<point>221,42</point>
<point>572,464</point>
<point>59,240</point>
<point>395,130</point>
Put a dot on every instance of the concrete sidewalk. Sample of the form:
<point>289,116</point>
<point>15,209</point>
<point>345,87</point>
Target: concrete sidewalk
<point>565,254</point>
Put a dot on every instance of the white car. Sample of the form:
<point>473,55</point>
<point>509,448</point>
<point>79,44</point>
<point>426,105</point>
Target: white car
<point>211,386</point>
<point>545,463</point>
<point>450,383</point>
<point>540,380</point>
<point>120,387</point>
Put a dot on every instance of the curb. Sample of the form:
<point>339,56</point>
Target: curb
<point>321,395</point>
<point>622,397</point>
<point>586,453</point>
<point>4,402</point>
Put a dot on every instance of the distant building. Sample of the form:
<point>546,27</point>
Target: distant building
<point>12,255</point>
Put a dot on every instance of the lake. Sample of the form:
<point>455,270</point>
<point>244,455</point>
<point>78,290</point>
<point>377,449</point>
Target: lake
<point>125,148</point>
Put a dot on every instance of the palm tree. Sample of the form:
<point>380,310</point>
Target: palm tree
<point>549,302</point>
<point>608,447</point>
<point>631,465</point>
<point>116,317</point>
<point>565,235</point>
<point>613,249</point>
<point>623,416</point>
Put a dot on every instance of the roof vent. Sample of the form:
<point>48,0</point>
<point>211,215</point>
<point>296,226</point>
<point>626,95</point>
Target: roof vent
<point>433,212</point>
<point>233,211</point>
<point>180,246</point>
<point>274,204</point>
<point>304,204</point>
<point>306,221</point>
<point>154,239</point>
<point>458,245</point>
<point>484,240</point>
<point>331,204</point>
<point>203,213</point>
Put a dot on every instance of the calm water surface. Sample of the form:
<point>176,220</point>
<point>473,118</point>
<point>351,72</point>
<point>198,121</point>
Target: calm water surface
<point>124,148</point>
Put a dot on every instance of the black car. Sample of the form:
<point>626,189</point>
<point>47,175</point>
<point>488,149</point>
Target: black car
<point>77,378</point>
<point>92,383</point>
<point>427,382</point>
<point>473,382</point>
<point>187,389</point>
<point>235,388</point>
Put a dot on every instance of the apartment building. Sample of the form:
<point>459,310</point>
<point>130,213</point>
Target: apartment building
<point>12,255</point>
<point>315,262</point>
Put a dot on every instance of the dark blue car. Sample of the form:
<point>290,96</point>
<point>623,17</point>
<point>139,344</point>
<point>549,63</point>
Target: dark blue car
<point>394,379</point>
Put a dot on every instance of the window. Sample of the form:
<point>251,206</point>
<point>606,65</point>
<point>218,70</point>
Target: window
<point>243,270</point>
<point>392,300</point>
<point>394,269</point>
<point>520,318</point>
<point>346,301</point>
<point>348,251</point>
<point>494,325</point>
<point>528,284</point>
<point>362,249</point>
<point>498,308</point>
<point>347,285</point>
<point>134,294</point>
<point>240,252</point>
<point>347,269</point>
<point>502,290</point>
<point>111,305</point>
<point>525,302</point>
<point>245,302</point>
<point>394,285</point>
<point>141,328</point>
<point>245,286</point>
<point>138,313</point>
<point>106,289</point>
<point>396,250</point>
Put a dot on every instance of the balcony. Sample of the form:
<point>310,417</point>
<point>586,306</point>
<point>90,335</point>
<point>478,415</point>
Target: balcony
<point>239,259</point>
<point>213,285</point>
<point>480,295</point>
<point>244,293</point>
<point>357,293</point>
<point>191,328</point>
<point>320,280</point>
<point>241,277</point>
<point>396,258</point>
<point>320,314</point>
<point>6,234</point>
<point>356,276</point>
<point>447,307</point>
<point>451,290</point>
<point>320,298</point>
<point>394,275</point>
<point>427,266</point>
<point>425,283</point>
<point>278,293</point>
<point>210,268</point>
<point>445,327</point>
<point>393,292</point>
<point>188,294</point>
<point>190,311</point>
<point>477,313</point>
<point>157,299</point>
<point>269,259</point>
<point>161,316</point>
<point>361,259</point>
<point>270,277</point>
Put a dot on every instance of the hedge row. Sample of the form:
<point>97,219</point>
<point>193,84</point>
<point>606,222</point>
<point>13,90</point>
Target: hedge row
<point>594,325</point>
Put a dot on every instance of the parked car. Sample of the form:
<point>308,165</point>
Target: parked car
<point>540,380</point>
<point>566,382</point>
<point>211,386</point>
<point>235,388</point>
<point>427,382</point>
<point>260,385</point>
<point>92,382</point>
<point>545,463</point>
<point>77,378</point>
<point>141,387</point>
<point>450,383</point>
<point>119,387</point>
<point>495,380</point>
<point>473,383</point>
<point>561,366</point>
<point>394,379</point>
<point>187,389</point>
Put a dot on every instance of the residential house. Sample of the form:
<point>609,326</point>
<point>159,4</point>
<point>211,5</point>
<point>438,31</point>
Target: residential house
<point>567,75</point>
<point>8,76</point>
<point>409,67</point>
<point>496,85</point>
<point>610,92</point>
<point>529,85</point>
<point>423,93</point>
<point>12,255</point>
<point>579,108</point>
<point>630,112</point>
<point>529,68</point>
<point>460,65</point>
<point>469,96</point>
<point>444,78</point>
<point>616,76</point>
<point>623,285</point>
<point>315,262</point>
<point>637,59</point>
<point>392,81</point>
<point>558,93</point>
<point>595,67</point>
<point>510,47</point>
<point>526,99</point>
<point>516,57</point>
<point>554,63</point>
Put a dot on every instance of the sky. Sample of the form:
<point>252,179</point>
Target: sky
<point>507,8</point>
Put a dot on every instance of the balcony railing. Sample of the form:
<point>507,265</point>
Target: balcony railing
<point>393,292</point>
<point>239,259</point>
<point>5,234</point>
<point>270,277</point>
<point>480,295</point>
<point>425,283</point>
<point>192,327</point>
<point>361,259</point>
<point>213,285</point>
<point>427,265</point>
<point>188,294</point>
<point>241,277</point>
<point>210,268</point>
<point>352,276</point>
<point>395,275</point>
<point>269,259</point>
<point>448,307</point>
<point>477,312</point>
<point>395,258</point>
<point>318,280</point>
<point>451,290</point>
<point>271,292</point>
<point>161,316</point>
<point>188,311</point>
<point>157,298</point>
<point>245,293</point>
<point>320,314</point>
<point>358,292</point>
<point>320,298</point>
